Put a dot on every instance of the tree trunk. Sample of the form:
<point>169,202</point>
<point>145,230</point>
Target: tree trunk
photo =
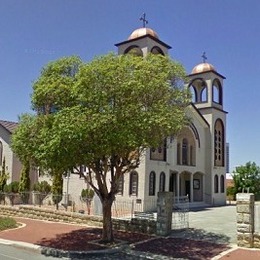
<point>107,234</point>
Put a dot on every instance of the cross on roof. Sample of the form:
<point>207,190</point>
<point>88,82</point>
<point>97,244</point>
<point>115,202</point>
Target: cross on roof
<point>142,18</point>
<point>204,57</point>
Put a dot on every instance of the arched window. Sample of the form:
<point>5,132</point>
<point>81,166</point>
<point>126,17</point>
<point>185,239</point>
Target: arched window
<point>121,185</point>
<point>199,90</point>
<point>134,50</point>
<point>157,50</point>
<point>162,182</point>
<point>152,184</point>
<point>216,183</point>
<point>193,92</point>
<point>219,149</point>
<point>185,151</point>
<point>204,94</point>
<point>222,184</point>
<point>217,92</point>
<point>1,153</point>
<point>133,189</point>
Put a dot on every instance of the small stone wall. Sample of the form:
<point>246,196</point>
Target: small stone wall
<point>132,225</point>
<point>135,225</point>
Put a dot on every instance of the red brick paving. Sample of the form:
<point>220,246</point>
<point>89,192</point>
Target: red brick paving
<point>76,237</point>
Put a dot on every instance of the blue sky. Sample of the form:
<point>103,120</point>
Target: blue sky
<point>34,32</point>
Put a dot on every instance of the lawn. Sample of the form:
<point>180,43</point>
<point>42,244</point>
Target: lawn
<point>7,223</point>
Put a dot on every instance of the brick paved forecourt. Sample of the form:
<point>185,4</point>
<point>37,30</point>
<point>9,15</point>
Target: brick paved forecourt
<point>42,235</point>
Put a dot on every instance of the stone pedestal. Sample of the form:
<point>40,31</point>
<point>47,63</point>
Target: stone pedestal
<point>245,219</point>
<point>164,213</point>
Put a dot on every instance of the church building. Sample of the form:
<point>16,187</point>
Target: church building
<point>192,163</point>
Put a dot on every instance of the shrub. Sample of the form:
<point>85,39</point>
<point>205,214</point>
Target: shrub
<point>42,186</point>
<point>7,223</point>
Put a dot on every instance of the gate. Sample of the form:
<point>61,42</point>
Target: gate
<point>180,213</point>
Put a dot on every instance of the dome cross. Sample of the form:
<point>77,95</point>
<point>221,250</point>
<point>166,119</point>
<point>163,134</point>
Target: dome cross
<point>142,18</point>
<point>204,57</point>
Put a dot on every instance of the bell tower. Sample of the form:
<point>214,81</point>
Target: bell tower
<point>143,41</point>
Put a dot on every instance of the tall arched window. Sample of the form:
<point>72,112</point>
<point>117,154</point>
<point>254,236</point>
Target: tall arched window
<point>121,185</point>
<point>222,184</point>
<point>152,184</point>
<point>185,151</point>
<point>217,92</point>
<point>162,182</point>
<point>1,153</point>
<point>216,183</point>
<point>219,148</point>
<point>133,189</point>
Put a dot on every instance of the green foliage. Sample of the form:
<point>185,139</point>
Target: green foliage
<point>247,178</point>
<point>3,177</point>
<point>43,187</point>
<point>87,194</point>
<point>7,223</point>
<point>102,114</point>
<point>24,184</point>
<point>12,187</point>
<point>56,188</point>
<point>231,192</point>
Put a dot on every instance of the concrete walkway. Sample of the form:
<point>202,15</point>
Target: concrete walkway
<point>214,224</point>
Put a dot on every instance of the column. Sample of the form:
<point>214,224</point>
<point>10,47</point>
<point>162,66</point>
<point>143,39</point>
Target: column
<point>191,187</point>
<point>245,219</point>
<point>164,213</point>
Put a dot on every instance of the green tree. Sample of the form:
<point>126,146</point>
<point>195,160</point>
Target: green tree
<point>87,196</point>
<point>115,108</point>
<point>56,188</point>
<point>247,178</point>
<point>3,176</point>
<point>24,184</point>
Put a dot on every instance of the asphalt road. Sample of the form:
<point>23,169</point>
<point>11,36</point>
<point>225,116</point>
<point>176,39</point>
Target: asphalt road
<point>9,252</point>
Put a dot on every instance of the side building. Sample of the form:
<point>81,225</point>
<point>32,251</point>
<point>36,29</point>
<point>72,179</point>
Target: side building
<point>12,164</point>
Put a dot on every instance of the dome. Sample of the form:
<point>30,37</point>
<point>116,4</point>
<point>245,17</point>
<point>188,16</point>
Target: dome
<point>203,67</point>
<point>142,32</point>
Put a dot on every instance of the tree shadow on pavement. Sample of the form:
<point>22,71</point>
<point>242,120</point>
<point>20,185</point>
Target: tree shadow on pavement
<point>87,239</point>
<point>201,234</point>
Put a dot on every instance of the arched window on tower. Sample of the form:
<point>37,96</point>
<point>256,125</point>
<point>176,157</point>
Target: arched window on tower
<point>162,182</point>
<point>133,189</point>
<point>193,92</point>
<point>134,50</point>
<point>217,92</point>
<point>152,184</point>
<point>216,183</point>
<point>219,138</point>
<point>157,50</point>
<point>204,93</point>
<point>199,90</point>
